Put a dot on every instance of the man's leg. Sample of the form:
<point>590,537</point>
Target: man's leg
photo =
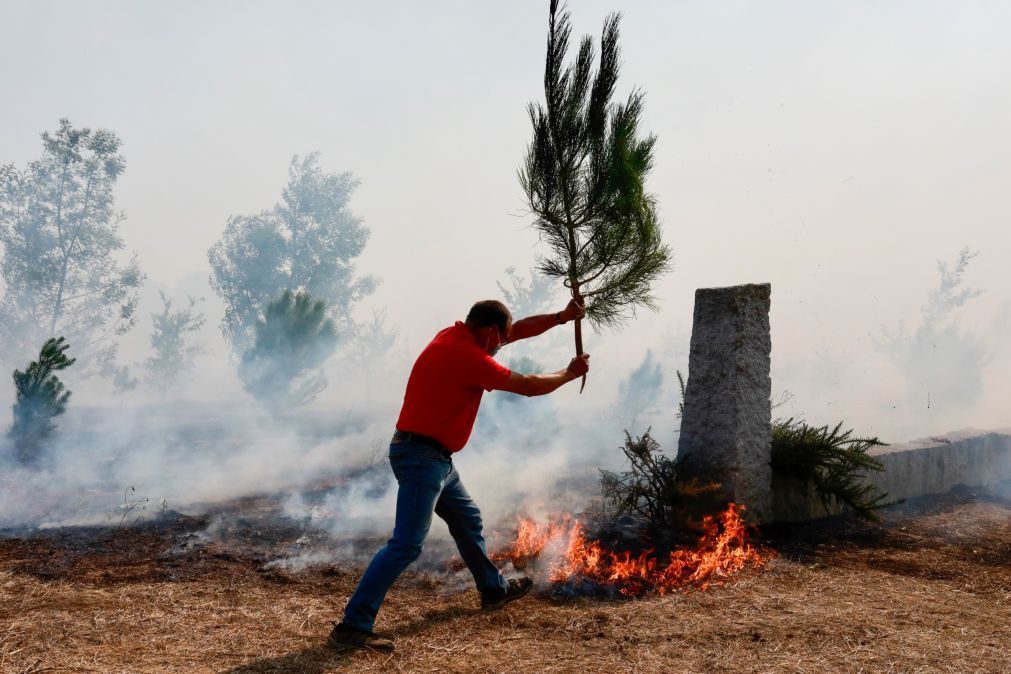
<point>464,520</point>
<point>420,482</point>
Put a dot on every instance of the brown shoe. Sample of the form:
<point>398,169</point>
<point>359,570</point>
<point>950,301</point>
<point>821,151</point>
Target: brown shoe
<point>345,636</point>
<point>517,588</point>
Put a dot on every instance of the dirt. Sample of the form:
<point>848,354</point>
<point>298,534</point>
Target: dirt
<point>926,589</point>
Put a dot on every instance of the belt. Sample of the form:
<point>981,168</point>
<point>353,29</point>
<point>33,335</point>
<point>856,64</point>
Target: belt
<point>407,436</point>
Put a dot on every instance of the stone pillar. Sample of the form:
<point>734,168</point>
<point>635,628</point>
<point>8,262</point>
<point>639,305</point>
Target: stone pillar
<point>726,429</point>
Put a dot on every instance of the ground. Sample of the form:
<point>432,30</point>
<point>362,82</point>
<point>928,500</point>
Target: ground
<point>926,590</point>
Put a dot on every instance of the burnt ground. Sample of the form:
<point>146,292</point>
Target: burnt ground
<point>926,589</point>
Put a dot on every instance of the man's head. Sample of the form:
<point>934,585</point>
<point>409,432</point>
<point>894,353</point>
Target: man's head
<point>490,321</point>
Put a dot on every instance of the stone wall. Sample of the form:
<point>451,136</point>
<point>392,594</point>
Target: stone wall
<point>970,458</point>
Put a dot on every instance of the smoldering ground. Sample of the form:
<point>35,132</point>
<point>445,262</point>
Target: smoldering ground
<point>326,468</point>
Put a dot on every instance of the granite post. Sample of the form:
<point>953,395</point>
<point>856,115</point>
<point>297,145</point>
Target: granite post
<point>726,429</point>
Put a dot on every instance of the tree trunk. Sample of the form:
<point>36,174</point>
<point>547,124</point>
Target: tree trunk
<point>579,336</point>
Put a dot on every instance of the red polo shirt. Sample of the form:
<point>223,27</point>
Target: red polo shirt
<point>446,385</point>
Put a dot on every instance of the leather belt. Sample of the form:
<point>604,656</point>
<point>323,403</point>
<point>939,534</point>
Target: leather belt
<point>418,438</point>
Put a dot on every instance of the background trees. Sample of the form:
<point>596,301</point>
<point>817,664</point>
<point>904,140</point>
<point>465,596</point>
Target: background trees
<point>59,234</point>
<point>941,361</point>
<point>292,340</point>
<point>173,355</point>
<point>288,280</point>
<point>308,241</point>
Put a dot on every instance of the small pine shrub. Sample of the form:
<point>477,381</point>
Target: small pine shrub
<point>651,490</point>
<point>833,461</point>
<point>40,398</point>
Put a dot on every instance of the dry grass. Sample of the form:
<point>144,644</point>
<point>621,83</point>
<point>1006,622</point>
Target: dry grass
<point>924,592</point>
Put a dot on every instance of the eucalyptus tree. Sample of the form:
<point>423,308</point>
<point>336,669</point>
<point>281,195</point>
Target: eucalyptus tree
<point>60,237</point>
<point>308,241</point>
<point>583,178</point>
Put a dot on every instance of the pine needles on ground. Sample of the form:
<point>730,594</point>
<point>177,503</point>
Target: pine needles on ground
<point>832,460</point>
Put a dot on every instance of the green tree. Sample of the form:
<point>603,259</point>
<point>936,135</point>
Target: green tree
<point>172,354</point>
<point>292,339</point>
<point>60,234</point>
<point>309,241</point>
<point>40,397</point>
<point>583,178</point>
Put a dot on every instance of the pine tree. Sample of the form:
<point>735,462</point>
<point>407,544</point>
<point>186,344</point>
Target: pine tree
<point>583,177</point>
<point>40,398</point>
<point>292,339</point>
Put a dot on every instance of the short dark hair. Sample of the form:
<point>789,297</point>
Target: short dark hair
<point>487,313</point>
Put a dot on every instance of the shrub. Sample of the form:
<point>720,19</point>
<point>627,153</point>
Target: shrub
<point>293,339</point>
<point>40,397</point>
<point>831,460</point>
<point>651,490</point>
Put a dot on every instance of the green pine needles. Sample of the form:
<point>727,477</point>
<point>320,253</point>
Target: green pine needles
<point>292,340</point>
<point>833,461</point>
<point>583,178</point>
<point>40,397</point>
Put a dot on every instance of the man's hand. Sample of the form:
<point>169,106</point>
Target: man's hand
<point>579,365</point>
<point>573,310</point>
<point>540,384</point>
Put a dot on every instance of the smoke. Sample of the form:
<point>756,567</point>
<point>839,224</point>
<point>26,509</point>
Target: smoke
<point>326,467</point>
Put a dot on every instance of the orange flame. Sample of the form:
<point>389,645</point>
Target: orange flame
<point>722,551</point>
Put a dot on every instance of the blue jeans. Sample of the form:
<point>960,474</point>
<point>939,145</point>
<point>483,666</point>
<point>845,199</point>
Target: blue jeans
<point>428,483</point>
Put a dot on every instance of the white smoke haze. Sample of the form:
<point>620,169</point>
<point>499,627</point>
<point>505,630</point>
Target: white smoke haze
<point>841,178</point>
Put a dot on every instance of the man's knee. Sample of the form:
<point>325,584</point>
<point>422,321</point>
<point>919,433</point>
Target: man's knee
<point>405,548</point>
<point>465,521</point>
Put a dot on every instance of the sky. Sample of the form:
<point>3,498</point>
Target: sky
<point>834,150</point>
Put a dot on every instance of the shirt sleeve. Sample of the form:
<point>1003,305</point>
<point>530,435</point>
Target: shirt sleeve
<point>482,370</point>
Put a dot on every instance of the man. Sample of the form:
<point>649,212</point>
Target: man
<point>440,405</point>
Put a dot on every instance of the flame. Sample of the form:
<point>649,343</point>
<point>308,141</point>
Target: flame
<point>722,551</point>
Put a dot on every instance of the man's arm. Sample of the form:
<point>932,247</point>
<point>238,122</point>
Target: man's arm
<point>541,384</point>
<point>536,325</point>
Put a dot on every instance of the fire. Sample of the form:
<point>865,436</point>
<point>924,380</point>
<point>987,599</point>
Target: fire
<point>722,551</point>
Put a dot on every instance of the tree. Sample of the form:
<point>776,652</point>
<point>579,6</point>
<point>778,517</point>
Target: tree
<point>40,397</point>
<point>308,241</point>
<point>639,394</point>
<point>527,297</point>
<point>172,355</point>
<point>942,363</point>
<point>292,339</point>
<point>60,234</point>
<point>118,375</point>
<point>583,178</point>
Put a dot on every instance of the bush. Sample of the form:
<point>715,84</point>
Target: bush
<point>831,460</point>
<point>40,397</point>
<point>293,339</point>
<point>652,491</point>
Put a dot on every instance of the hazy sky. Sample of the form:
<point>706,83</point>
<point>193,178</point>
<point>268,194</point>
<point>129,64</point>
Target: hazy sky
<point>834,149</point>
